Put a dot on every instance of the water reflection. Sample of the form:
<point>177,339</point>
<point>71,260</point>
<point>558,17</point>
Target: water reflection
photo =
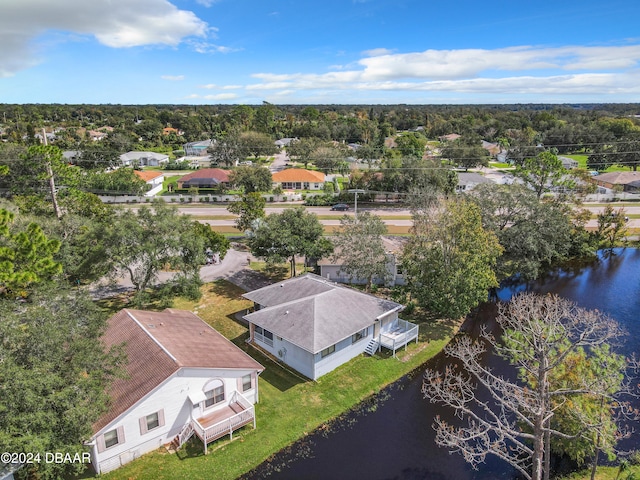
<point>391,436</point>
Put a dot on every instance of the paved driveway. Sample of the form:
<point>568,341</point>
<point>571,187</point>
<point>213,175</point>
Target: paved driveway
<point>234,268</point>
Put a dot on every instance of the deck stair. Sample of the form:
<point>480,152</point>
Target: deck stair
<point>372,347</point>
<point>183,436</point>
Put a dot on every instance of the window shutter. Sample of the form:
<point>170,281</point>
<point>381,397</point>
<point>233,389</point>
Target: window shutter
<point>143,426</point>
<point>100,444</point>
<point>120,435</point>
<point>161,418</point>
<point>254,382</point>
<point>239,384</point>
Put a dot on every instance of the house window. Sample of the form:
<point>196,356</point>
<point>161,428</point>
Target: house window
<point>111,438</point>
<point>327,351</point>
<point>153,421</point>
<point>214,393</point>
<point>246,383</point>
<point>264,336</point>
<point>356,337</point>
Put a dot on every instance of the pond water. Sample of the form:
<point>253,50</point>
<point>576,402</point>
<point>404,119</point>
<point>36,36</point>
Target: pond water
<point>391,436</point>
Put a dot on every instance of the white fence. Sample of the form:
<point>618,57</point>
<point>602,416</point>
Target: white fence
<point>186,199</point>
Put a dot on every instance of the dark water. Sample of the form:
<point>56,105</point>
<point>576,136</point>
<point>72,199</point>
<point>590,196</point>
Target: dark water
<point>391,437</point>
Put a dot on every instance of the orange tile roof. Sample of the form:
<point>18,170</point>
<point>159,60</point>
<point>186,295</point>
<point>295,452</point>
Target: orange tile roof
<point>147,175</point>
<point>216,173</point>
<point>298,175</point>
<point>157,345</point>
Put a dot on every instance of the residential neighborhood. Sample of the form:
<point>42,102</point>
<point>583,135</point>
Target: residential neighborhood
<point>228,295</point>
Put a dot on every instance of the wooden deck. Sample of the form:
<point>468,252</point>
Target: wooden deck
<point>220,415</point>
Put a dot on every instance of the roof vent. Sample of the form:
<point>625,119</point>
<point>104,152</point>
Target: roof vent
<point>151,325</point>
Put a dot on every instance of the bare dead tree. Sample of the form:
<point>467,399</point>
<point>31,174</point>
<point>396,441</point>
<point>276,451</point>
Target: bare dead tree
<point>516,423</point>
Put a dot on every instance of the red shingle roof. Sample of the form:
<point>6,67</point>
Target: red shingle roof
<point>157,345</point>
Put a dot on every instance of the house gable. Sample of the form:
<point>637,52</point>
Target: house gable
<point>314,313</point>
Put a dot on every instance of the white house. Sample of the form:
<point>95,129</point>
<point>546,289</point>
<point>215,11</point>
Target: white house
<point>299,179</point>
<point>182,378</point>
<point>314,325</point>
<point>468,180</point>
<point>143,159</point>
<point>153,178</point>
<point>331,267</point>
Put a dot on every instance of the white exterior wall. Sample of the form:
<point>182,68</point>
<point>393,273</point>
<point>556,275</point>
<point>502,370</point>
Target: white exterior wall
<point>333,273</point>
<point>345,351</point>
<point>172,398</point>
<point>314,366</point>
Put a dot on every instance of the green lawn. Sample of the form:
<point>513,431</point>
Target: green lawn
<point>290,407</point>
<point>607,473</point>
<point>582,163</point>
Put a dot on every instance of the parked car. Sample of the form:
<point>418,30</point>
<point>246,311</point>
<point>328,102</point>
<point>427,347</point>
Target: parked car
<point>340,207</point>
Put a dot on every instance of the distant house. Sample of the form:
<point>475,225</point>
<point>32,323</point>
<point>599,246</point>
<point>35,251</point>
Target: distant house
<point>97,136</point>
<point>183,378</point>
<point>153,178</point>
<point>197,149</point>
<point>299,179</point>
<point>493,148</point>
<point>331,268</point>
<point>170,130</point>
<point>144,159</point>
<point>468,180</point>
<point>71,157</point>
<point>449,138</point>
<point>284,142</point>
<point>568,163</point>
<point>628,181</point>
<point>205,178</point>
<point>314,325</point>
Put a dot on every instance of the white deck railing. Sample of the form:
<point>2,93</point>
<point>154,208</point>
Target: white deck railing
<point>229,424</point>
<point>399,335</point>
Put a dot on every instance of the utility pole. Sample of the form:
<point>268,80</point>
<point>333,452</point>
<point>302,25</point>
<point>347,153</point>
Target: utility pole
<point>52,184</point>
<point>356,191</point>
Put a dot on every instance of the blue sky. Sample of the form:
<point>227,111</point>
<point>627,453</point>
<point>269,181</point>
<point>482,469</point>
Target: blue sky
<point>319,52</point>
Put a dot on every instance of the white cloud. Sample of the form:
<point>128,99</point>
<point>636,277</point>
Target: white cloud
<point>172,78</point>
<point>206,47</point>
<point>212,86</point>
<point>206,3</point>
<point>376,52</point>
<point>570,70</point>
<point>116,24</point>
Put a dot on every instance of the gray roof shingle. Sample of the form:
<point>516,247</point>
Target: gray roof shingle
<point>313,313</point>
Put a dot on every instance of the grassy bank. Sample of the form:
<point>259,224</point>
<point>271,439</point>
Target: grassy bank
<point>607,473</point>
<point>290,407</point>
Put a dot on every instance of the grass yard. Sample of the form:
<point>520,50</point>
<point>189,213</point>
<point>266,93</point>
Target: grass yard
<point>607,473</point>
<point>276,272</point>
<point>582,163</point>
<point>290,407</point>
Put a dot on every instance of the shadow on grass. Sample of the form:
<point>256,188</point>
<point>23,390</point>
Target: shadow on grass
<point>274,373</point>
<point>249,280</point>
<point>192,449</point>
<point>222,288</point>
